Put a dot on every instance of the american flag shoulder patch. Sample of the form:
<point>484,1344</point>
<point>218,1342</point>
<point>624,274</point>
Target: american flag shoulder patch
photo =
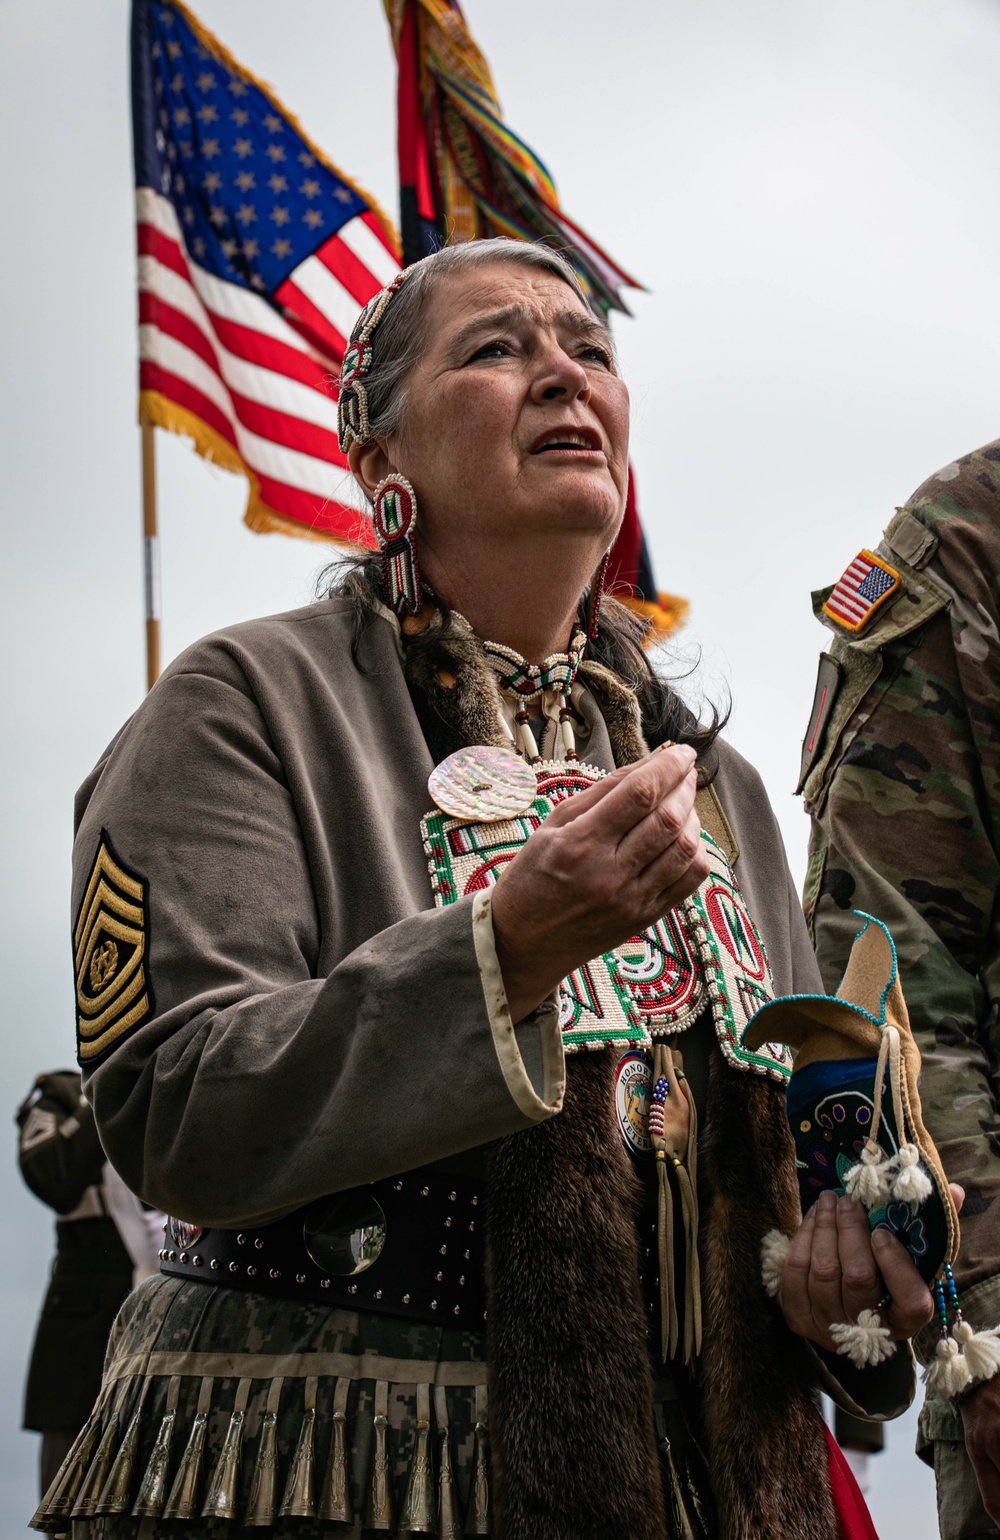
<point>868,584</point>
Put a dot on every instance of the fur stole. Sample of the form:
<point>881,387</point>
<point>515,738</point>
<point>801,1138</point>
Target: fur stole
<point>571,1404</point>
<point>766,1445</point>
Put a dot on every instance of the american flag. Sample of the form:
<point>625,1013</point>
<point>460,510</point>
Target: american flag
<point>867,584</point>
<point>255,256</point>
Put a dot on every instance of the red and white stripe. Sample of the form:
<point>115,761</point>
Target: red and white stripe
<point>844,601</point>
<point>264,381</point>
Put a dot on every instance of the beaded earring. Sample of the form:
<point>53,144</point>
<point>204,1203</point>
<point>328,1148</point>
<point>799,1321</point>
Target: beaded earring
<point>596,595</point>
<point>395,516</point>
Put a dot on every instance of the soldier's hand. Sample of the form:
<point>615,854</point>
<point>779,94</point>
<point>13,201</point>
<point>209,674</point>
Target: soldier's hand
<point>981,1418</point>
<point>603,866</point>
<point>838,1267</point>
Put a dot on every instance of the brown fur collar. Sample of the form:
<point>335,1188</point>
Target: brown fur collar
<point>766,1446</point>
<point>571,1406</point>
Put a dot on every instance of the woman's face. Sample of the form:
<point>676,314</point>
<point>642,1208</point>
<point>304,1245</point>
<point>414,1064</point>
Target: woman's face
<point>516,421</point>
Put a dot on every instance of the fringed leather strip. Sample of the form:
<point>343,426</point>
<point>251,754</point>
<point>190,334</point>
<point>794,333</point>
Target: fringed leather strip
<point>755,1378</point>
<point>153,1487</point>
<point>449,1525</point>
<point>263,1496</point>
<point>673,1128</point>
<point>335,1498</point>
<point>221,1498</point>
<point>479,1510</point>
<point>299,1501</point>
<point>184,1494</point>
<point>571,1389</point>
<point>380,1512</point>
<point>419,1514</point>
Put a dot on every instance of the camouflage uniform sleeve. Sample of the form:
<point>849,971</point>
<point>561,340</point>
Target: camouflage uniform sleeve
<point>901,780</point>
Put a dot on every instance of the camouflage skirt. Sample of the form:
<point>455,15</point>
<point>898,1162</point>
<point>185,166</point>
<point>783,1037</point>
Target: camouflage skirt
<point>223,1413</point>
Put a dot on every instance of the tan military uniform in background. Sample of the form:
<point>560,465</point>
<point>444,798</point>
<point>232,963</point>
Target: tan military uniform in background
<point>901,775</point>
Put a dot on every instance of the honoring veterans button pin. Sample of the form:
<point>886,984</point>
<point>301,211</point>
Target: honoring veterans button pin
<point>633,1085</point>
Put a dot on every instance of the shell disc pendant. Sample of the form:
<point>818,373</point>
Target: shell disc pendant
<point>480,784</point>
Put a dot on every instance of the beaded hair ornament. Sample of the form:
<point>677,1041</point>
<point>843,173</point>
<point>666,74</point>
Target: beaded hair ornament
<point>353,425</point>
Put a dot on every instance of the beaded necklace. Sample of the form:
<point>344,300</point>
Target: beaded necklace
<point>549,683</point>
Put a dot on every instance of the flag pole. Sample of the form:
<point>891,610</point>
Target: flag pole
<point>151,555</point>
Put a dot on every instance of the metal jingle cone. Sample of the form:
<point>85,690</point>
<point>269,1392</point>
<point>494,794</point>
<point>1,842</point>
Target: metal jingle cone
<point>220,1499</point>
<point>418,1504</point>
<point>117,1494</point>
<point>183,1500</point>
<point>153,1487</point>
<point>97,1472</point>
<point>58,1501</point>
<point>477,1514</point>
<point>449,1517</point>
<point>298,1501</point>
<point>264,1481</point>
<point>380,1509</point>
<point>335,1497</point>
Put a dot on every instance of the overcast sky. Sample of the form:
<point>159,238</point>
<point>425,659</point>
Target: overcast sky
<point>807,188</point>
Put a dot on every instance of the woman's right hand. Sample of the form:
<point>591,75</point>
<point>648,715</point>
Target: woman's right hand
<point>603,866</point>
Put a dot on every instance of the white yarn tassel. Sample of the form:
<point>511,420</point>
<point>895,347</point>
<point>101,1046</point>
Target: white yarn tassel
<point>980,1349</point>
<point>865,1343</point>
<point>774,1251</point>
<point>911,1183</point>
<point>949,1373</point>
<point>871,1179</point>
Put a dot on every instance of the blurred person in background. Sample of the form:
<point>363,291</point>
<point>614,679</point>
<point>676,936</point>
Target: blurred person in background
<point>901,775</point>
<point>105,1243</point>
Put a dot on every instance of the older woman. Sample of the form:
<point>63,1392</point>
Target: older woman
<point>426,1272</point>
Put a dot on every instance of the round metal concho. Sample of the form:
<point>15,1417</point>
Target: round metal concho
<point>483,785</point>
<point>185,1235</point>
<point>345,1234</point>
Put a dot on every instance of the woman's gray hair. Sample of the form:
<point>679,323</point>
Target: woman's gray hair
<point>401,335</point>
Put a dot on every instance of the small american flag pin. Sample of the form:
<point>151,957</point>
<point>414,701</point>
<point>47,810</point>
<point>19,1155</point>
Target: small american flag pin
<point>866,585</point>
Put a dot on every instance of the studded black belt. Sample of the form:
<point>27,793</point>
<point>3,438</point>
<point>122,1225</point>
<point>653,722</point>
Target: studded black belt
<point>411,1246</point>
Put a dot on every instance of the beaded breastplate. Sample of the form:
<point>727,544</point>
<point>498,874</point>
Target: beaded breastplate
<point>706,953</point>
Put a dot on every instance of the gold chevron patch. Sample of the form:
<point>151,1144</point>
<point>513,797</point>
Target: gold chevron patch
<point>110,939</point>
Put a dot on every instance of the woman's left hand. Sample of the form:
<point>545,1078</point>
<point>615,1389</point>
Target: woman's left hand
<point>838,1267</point>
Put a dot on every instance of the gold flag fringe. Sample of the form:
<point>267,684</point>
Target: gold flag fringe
<point>335,1498</point>
<point>183,1500</point>
<point>298,1501</point>
<point>160,412</point>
